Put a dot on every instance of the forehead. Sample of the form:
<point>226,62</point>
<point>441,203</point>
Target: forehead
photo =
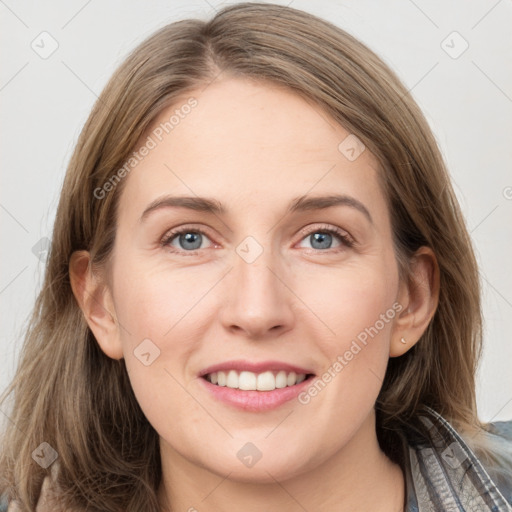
<point>249,143</point>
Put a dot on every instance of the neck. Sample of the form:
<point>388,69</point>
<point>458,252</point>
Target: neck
<point>357,477</point>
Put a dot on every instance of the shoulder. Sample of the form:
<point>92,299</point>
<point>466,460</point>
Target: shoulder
<point>47,500</point>
<point>502,429</point>
<point>499,436</point>
<point>446,468</point>
<point>45,503</point>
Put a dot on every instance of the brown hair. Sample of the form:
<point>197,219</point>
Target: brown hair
<point>68,393</point>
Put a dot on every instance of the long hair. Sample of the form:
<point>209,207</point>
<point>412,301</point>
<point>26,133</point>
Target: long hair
<point>67,393</point>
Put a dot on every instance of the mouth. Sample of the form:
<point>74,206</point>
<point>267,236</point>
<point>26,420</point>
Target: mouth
<point>255,387</point>
<point>252,381</point>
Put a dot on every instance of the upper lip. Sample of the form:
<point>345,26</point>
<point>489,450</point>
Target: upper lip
<point>255,367</point>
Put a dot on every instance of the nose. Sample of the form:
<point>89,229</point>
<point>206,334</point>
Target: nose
<point>258,300</point>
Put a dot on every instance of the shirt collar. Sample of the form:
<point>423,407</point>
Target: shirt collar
<point>442,472</point>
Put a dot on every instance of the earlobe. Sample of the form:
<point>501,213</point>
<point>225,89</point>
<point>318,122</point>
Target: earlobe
<point>419,297</point>
<point>95,300</point>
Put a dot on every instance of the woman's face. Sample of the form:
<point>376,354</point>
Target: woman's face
<point>261,285</point>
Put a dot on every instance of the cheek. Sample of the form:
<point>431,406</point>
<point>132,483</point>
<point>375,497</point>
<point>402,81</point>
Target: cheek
<point>358,307</point>
<point>350,301</point>
<point>154,299</point>
<point>160,314</point>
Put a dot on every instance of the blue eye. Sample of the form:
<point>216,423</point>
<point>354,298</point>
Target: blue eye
<point>321,239</point>
<point>190,240</point>
<point>187,239</point>
<point>324,239</point>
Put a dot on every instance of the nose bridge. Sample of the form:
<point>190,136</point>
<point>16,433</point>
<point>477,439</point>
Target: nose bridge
<point>257,298</point>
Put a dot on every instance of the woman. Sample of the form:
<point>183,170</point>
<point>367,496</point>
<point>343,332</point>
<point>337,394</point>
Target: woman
<point>260,294</point>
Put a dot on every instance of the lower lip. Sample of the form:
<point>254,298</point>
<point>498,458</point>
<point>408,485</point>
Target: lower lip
<point>255,400</point>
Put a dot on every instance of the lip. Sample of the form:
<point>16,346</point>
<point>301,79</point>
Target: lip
<point>250,366</point>
<point>255,401</point>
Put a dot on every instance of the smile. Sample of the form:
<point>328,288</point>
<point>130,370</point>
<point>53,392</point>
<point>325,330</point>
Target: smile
<point>250,381</point>
<point>255,386</point>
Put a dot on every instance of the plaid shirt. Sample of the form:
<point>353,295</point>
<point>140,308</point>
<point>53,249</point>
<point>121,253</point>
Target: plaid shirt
<point>443,474</point>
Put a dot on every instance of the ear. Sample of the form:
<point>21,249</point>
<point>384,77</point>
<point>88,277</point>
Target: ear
<point>419,296</point>
<point>95,301</point>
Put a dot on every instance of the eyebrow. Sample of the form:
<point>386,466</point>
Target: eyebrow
<point>305,203</point>
<point>299,204</point>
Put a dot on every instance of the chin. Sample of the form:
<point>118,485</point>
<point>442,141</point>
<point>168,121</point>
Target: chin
<point>250,465</point>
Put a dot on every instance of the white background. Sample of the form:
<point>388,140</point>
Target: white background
<point>467,100</point>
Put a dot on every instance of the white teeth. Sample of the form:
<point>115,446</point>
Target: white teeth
<point>281,380</point>
<point>232,379</point>
<point>292,378</point>
<point>249,381</point>
<point>221,376</point>
<point>266,382</point>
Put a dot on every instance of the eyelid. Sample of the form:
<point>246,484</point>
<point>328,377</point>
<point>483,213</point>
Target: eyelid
<point>342,233</point>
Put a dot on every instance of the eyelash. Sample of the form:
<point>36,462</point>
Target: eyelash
<point>344,237</point>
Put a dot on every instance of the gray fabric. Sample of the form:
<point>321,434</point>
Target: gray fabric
<point>443,474</point>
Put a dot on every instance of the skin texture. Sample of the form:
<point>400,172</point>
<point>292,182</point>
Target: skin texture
<point>255,147</point>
